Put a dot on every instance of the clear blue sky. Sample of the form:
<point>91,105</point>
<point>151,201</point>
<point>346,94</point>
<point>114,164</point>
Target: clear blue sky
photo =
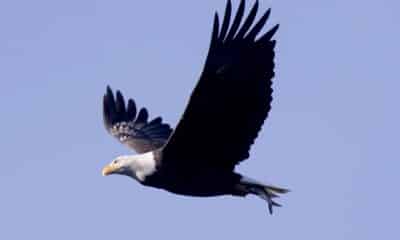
<point>332,136</point>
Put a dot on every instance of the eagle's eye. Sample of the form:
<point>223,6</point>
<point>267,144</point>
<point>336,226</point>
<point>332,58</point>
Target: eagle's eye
<point>114,162</point>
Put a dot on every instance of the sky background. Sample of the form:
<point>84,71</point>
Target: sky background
<point>332,136</point>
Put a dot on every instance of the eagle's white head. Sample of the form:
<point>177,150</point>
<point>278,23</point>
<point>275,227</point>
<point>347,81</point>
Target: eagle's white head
<point>136,166</point>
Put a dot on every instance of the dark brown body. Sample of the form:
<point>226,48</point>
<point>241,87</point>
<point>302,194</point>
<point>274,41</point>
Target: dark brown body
<point>200,183</point>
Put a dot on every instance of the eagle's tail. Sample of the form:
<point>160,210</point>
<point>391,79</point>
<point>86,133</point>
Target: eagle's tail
<point>266,192</point>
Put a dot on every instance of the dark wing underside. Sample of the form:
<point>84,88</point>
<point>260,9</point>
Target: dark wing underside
<point>232,98</point>
<point>130,128</point>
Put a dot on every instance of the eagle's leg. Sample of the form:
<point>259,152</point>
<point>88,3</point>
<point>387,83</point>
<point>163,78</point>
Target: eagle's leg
<point>266,192</point>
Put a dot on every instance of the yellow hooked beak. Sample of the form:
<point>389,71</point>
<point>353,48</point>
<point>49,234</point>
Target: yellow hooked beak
<point>109,169</point>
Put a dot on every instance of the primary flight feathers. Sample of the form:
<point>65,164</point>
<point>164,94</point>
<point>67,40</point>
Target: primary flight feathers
<point>132,128</point>
<point>232,98</point>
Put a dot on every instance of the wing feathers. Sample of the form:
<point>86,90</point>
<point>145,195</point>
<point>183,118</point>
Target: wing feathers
<point>267,37</point>
<point>120,105</point>
<point>259,25</point>
<point>236,22</point>
<point>248,22</point>
<point>142,116</point>
<point>227,19</point>
<point>214,38</point>
<point>232,98</point>
<point>134,131</point>
<point>131,112</point>
<point>155,121</point>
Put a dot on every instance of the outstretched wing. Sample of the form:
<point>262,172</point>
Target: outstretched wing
<point>131,129</point>
<point>232,98</point>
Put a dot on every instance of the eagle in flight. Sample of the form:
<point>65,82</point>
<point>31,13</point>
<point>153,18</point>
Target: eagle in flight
<point>225,112</point>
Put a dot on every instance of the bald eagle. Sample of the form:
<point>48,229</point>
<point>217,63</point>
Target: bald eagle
<point>225,112</point>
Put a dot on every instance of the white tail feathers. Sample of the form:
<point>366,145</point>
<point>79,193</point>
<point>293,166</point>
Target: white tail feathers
<point>266,192</point>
